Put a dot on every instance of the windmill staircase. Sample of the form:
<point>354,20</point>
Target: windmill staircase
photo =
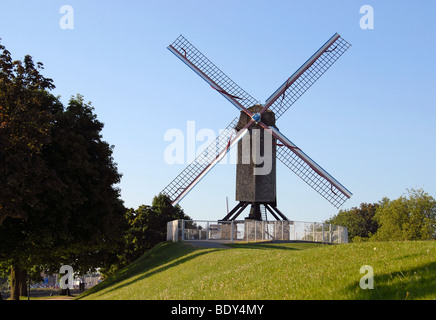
<point>265,219</point>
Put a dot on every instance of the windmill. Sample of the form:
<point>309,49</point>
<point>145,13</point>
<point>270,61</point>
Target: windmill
<point>257,120</point>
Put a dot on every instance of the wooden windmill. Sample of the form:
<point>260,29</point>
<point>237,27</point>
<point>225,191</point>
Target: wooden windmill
<point>259,190</point>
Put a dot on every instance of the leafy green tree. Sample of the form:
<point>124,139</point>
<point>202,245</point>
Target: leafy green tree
<point>411,217</point>
<point>147,227</point>
<point>88,203</point>
<point>26,115</point>
<point>358,220</point>
<point>164,212</point>
<point>59,203</point>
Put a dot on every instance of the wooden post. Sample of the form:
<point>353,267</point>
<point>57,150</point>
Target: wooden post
<point>183,230</point>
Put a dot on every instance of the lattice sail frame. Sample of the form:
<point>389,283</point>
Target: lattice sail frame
<point>217,79</point>
<point>279,102</point>
<point>184,182</point>
<point>302,79</point>
<point>311,177</point>
<point>310,171</point>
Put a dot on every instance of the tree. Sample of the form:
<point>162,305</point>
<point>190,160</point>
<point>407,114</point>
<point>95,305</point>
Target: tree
<point>359,221</point>
<point>91,212</point>
<point>411,217</point>
<point>58,198</point>
<point>147,227</point>
<point>164,211</point>
<point>26,115</point>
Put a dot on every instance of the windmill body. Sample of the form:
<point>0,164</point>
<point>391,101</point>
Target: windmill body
<point>256,182</point>
<point>257,137</point>
<point>256,167</point>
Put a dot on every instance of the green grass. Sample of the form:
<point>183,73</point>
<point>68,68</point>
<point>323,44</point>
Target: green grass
<point>402,270</point>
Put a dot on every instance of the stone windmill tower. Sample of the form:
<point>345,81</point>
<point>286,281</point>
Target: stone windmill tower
<point>256,131</point>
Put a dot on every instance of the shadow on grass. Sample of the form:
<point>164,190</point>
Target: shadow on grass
<point>275,245</point>
<point>149,264</point>
<point>413,283</point>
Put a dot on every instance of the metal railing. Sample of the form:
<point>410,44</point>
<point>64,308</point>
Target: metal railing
<point>255,231</point>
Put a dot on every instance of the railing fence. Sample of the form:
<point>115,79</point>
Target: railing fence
<point>254,231</point>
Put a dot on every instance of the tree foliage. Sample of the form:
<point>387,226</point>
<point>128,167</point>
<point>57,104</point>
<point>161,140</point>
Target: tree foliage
<point>359,220</point>
<point>147,226</point>
<point>411,217</point>
<point>26,115</point>
<point>59,203</point>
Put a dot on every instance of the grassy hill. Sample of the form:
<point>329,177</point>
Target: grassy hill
<point>402,270</point>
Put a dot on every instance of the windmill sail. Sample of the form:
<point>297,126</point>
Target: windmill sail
<point>297,84</point>
<point>217,79</point>
<point>203,163</point>
<point>310,172</point>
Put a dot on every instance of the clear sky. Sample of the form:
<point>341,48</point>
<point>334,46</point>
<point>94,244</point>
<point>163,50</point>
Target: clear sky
<point>370,121</point>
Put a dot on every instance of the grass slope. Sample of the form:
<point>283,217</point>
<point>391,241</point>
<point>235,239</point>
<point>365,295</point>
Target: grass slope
<point>402,270</point>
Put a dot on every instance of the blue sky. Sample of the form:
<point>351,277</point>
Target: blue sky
<point>369,121</point>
